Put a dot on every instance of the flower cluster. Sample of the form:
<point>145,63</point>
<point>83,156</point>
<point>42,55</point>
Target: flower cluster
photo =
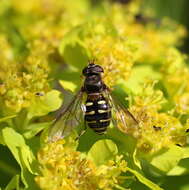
<point>176,73</point>
<point>157,128</point>
<point>37,39</point>
<point>62,167</point>
<point>52,19</point>
<point>22,79</point>
<point>117,58</point>
<point>153,36</point>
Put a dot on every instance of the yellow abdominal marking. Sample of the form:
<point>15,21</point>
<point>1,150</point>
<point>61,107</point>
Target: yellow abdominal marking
<point>90,113</point>
<point>103,111</point>
<point>101,132</point>
<point>104,120</point>
<point>99,129</point>
<point>89,103</point>
<point>101,102</point>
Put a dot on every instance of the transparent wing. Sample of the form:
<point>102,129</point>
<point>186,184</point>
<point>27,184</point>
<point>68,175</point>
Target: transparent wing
<point>68,119</point>
<point>121,117</point>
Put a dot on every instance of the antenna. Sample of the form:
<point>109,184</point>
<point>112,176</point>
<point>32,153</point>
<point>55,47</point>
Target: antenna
<point>92,61</point>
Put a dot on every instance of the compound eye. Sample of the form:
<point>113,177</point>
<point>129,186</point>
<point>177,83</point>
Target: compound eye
<point>99,69</point>
<point>85,71</point>
<point>92,69</point>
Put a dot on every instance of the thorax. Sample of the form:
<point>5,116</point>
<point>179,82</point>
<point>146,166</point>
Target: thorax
<point>93,84</point>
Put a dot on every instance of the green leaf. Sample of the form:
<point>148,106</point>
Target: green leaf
<point>1,137</point>
<point>144,180</point>
<point>45,104</point>
<point>166,160</point>
<point>102,151</point>
<point>172,161</point>
<point>29,180</point>
<point>35,128</point>
<point>89,134</point>
<point>136,185</point>
<point>183,166</point>
<point>21,152</point>
<point>18,147</point>
<point>126,145</point>
<point>185,152</point>
<point>180,169</point>
<point>138,76</point>
<point>176,183</point>
<point>6,118</point>
<point>68,85</point>
<point>13,184</point>
<point>122,140</point>
<point>73,49</point>
<point>8,165</point>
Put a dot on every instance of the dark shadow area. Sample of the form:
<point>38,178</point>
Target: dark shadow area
<point>8,166</point>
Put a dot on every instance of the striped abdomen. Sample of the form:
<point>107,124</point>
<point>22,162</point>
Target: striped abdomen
<point>98,114</point>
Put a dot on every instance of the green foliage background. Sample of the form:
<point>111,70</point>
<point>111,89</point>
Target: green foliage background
<point>44,45</point>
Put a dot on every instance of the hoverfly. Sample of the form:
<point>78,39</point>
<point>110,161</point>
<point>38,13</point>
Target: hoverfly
<point>100,108</point>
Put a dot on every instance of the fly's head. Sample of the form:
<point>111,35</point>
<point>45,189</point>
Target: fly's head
<point>92,69</point>
<point>92,73</point>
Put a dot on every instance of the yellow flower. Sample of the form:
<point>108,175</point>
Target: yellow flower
<point>153,38</point>
<point>116,58</point>
<point>149,98</point>
<point>64,168</point>
<point>182,103</point>
<point>157,130</point>
<point>21,80</point>
<point>176,74</point>
<point>7,52</point>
